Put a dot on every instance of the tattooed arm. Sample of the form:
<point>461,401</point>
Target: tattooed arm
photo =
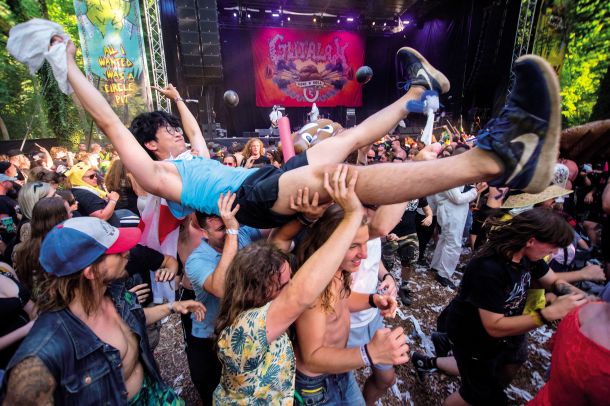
<point>30,383</point>
<point>554,283</point>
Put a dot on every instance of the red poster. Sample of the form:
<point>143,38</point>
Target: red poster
<point>295,68</point>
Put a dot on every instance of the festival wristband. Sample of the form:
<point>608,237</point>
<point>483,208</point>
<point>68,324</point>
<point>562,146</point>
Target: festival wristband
<point>170,307</point>
<point>372,300</point>
<point>368,354</point>
<point>386,275</point>
<point>364,356</point>
<point>232,231</point>
<point>177,99</point>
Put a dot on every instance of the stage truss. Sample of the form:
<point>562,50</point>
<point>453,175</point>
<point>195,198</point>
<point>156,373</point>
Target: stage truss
<point>157,53</point>
<point>523,36</point>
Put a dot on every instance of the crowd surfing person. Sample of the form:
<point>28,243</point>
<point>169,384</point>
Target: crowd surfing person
<point>263,194</point>
<point>252,281</point>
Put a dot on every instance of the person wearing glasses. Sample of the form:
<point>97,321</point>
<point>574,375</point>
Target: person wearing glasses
<point>93,201</point>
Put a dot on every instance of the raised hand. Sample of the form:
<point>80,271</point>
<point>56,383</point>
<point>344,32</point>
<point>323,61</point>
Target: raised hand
<point>168,91</point>
<point>227,213</point>
<point>344,194</point>
<point>311,210</point>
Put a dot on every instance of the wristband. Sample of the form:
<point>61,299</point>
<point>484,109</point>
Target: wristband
<point>170,307</point>
<point>368,354</point>
<point>365,357</point>
<point>305,221</point>
<point>111,200</point>
<point>386,275</point>
<point>232,231</point>
<point>537,319</point>
<point>372,300</point>
<point>542,318</point>
<point>177,99</point>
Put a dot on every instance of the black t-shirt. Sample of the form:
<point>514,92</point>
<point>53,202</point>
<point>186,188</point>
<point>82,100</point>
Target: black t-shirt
<point>142,260</point>
<point>406,225</point>
<point>260,161</point>
<point>89,202</point>
<point>496,285</point>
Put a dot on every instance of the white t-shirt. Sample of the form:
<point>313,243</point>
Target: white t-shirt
<point>366,280</point>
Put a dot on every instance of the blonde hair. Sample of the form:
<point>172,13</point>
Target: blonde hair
<point>246,152</point>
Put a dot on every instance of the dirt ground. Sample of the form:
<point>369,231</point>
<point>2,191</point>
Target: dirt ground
<point>429,298</point>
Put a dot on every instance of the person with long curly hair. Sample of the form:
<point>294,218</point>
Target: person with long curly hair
<point>324,364</point>
<point>261,301</point>
<point>254,154</point>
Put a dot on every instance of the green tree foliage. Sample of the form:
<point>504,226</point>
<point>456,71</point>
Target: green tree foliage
<point>587,60</point>
<point>29,103</point>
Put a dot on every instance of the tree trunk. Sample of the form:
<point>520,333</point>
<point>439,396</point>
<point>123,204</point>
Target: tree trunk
<point>3,130</point>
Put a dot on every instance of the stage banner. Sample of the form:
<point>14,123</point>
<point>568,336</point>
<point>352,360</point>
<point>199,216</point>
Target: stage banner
<point>295,68</point>
<point>552,34</point>
<point>111,40</point>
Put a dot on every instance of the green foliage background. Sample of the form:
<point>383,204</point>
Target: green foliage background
<point>34,103</point>
<point>584,77</point>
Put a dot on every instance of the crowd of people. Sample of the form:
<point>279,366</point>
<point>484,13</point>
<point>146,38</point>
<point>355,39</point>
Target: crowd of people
<point>283,272</point>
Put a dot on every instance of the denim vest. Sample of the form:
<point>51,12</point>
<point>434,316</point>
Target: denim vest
<point>86,369</point>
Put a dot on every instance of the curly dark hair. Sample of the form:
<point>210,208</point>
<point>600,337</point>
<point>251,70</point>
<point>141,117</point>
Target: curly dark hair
<point>319,233</point>
<point>508,237</point>
<point>144,127</point>
<point>251,280</point>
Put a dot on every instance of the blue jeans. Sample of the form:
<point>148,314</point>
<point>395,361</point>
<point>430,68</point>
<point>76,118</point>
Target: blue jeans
<point>328,389</point>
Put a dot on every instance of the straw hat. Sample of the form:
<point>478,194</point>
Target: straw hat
<point>528,199</point>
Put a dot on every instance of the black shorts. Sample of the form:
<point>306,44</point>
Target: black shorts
<point>257,195</point>
<point>482,377</point>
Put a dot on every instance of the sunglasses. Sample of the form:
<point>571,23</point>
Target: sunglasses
<point>92,176</point>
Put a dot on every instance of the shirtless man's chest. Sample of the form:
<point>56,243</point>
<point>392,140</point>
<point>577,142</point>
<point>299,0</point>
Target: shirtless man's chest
<point>111,329</point>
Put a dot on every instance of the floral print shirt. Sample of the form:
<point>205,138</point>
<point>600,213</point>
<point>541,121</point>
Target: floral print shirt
<point>254,371</point>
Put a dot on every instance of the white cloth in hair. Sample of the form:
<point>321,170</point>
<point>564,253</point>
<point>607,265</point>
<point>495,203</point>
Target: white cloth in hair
<point>29,43</point>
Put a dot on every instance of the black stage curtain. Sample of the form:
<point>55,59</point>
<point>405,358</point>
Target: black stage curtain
<point>470,41</point>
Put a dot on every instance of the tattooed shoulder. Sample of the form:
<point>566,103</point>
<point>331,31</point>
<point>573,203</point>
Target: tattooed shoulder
<point>30,383</point>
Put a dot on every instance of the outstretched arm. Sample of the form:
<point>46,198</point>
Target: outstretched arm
<point>154,177</point>
<point>317,272</point>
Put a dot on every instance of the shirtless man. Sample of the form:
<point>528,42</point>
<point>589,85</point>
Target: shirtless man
<point>518,149</point>
<point>89,344</point>
<point>324,365</point>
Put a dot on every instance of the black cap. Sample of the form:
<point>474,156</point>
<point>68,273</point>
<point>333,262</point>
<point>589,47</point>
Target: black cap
<point>14,152</point>
<point>4,165</point>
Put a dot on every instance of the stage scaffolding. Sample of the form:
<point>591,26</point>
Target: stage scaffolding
<point>523,36</point>
<point>157,53</point>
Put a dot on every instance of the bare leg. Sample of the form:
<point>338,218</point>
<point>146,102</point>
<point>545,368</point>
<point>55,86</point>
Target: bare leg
<point>448,365</point>
<point>455,400</point>
<point>336,149</point>
<point>377,384</point>
<point>394,183</point>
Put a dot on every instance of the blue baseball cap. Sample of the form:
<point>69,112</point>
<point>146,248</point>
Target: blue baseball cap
<point>76,243</point>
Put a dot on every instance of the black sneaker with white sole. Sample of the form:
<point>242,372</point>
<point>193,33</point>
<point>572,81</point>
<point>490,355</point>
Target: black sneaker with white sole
<point>526,134</point>
<point>413,69</point>
<point>422,366</point>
